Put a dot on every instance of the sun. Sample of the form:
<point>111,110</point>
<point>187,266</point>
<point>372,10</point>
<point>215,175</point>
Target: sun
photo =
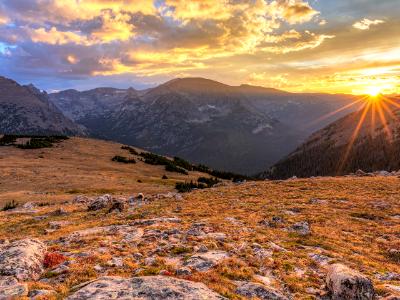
<point>374,91</point>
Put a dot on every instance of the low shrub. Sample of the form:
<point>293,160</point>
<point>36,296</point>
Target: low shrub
<point>173,168</point>
<point>123,159</point>
<point>10,205</point>
<point>52,259</point>
<point>130,149</point>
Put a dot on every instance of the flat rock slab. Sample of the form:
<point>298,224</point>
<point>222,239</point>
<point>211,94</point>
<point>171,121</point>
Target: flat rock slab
<point>144,288</point>
<point>10,288</point>
<point>23,259</point>
<point>127,232</point>
<point>204,261</point>
<point>253,290</point>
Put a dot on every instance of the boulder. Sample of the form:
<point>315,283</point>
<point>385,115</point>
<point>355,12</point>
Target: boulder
<point>345,283</point>
<point>10,288</point>
<point>144,288</point>
<point>204,261</point>
<point>100,203</point>
<point>23,259</point>
<point>117,205</point>
<point>255,290</point>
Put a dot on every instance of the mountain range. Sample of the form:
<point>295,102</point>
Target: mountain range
<point>25,109</point>
<point>243,128</point>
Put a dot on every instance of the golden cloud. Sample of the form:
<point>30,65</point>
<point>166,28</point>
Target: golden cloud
<point>365,24</point>
<point>55,37</point>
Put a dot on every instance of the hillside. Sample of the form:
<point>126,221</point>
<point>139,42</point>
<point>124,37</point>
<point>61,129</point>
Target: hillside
<point>25,109</point>
<point>237,128</point>
<point>79,166</point>
<point>255,240</point>
<point>368,140</point>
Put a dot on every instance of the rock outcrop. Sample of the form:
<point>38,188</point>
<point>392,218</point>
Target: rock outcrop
<point>23,259</point>
<point>10,288</point>
<point>145,288</point>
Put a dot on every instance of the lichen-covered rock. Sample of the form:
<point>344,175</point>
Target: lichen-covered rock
<point>10,288</point>
<point>144,288</point>
<point>204,261</point>
<point>23,259</point>
<point>255,290</point>
<point>345,283</point>
<point>100,202</point>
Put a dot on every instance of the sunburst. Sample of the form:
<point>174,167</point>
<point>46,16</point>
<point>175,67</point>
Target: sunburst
<point>381,110</point>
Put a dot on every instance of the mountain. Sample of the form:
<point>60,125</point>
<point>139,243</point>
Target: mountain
<point>368,139</point>
<point>25,109</point>
<point>236,128</point>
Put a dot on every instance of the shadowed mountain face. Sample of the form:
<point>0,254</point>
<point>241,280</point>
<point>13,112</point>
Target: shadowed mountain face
<point>368,139</point>
<point>237,128</point>
<point>25,109</point>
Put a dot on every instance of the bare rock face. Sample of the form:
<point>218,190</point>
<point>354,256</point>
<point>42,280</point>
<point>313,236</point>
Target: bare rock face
<point>345,283</point>
<point>10,288</point>
<point>255,290</point>
<point>23,259</point>
<point>144,288</point>
<point>204,261</point>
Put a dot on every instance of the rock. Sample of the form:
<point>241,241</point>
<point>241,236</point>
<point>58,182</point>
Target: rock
<point>81,200</point>
<point>320,258</point>
<point>276,247</point>
<point>116,262</point>
<point>388,276</point>
<point>60,270</point>
<point>275,222</point>
<point>58,224</point>
<point>144,288</point>
<point>345,283</point>
<point>183,271</point>
<point>23,259</point>
<point>127,232</point>
<point>201,249</point>
<point>301,228</point>
<point>150,261</point>
<point>117,205</point>
<point>59,212</point>
<point>10,288</point>
<point>205,261</point>
<point>148,222</point>
<point>100,203</point>
<point>138,200</point>
<point>41,294</point>
<point>218,236</point>
<point>29,205</point>
<point>360,173</point>
<point>255,290</point>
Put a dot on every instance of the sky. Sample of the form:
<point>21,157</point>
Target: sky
<point>331,46</point>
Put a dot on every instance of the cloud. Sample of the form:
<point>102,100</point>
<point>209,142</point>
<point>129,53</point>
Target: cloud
<point>366,23</point>
<point>55,37</point>
<point>294,11</point>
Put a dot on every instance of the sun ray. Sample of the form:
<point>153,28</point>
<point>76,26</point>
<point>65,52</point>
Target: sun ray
<point>365,110</point>
<point>384,122</point>
<point>330,114</point>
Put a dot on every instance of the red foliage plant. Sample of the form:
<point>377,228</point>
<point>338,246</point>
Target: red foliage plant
<point>52,259</point>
